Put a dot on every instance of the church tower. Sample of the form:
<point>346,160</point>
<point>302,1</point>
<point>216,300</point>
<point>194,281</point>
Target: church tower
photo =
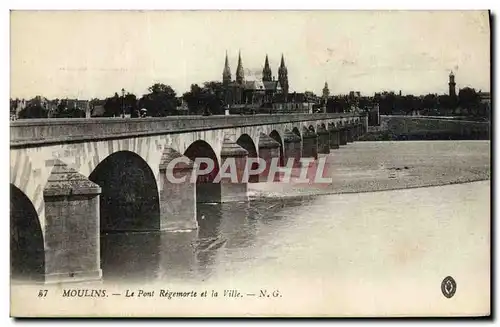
<point>240,75</point>
<point>326,92</point>
<point>226,73</point>
<point>283,76</point>
<point>267,75</point>
<point>451,85</point>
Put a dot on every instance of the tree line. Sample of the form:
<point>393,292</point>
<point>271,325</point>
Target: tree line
<point>467,102</point>
<point>208,98</point>
<point>161,100</point>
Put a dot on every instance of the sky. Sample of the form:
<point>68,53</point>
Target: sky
<point>87,54</point>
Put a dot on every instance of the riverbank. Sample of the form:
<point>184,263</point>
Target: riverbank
<point>377,166</point>
<point>423,136</point>
<point>400,127</point>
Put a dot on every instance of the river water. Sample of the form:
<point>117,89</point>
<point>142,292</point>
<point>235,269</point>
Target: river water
<point>307,236</point>
<point>370,246</point>
<point>283,233</point>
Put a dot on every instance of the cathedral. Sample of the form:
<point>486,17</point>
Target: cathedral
<point>256,93</point>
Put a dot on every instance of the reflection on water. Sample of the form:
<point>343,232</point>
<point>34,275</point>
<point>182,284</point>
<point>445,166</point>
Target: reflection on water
<point>227,235</point>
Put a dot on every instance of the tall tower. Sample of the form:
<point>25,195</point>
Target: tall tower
<point>267,75</point>
<point>326,92</point>
<point>451,85</point>
<point>283,76</point>
<point>226,73</point>
<point>240,75</point>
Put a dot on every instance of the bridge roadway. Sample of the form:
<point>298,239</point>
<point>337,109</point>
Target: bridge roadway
<point>34,132</point>
<point>72,179</point>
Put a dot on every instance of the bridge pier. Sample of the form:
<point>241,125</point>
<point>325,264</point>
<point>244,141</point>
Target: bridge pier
<point>323,140</point>
<point>309,144</point>
<point>342,134</point>
<point>233,190</point>
<point>177,200</point>
<point>72,230</point>
<point>334,137</point>
<point>350,132</point>
<point>360,129</point>
<point>293,148</point>
<point>268,149</point>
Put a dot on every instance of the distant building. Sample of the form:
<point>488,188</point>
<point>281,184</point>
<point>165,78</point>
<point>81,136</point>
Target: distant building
<point>78,104</point>
<point>182,107</point>
<point>296,102</point>
<point>255,93</point>
<point>97,108</point>
<point>16,106</point>
<point>484,97</point>
<point>326,91</point>
<point>353,100</point>
<point>71,104</point>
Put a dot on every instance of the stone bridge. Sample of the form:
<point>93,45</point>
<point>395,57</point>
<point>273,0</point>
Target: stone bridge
<point>72,179</point>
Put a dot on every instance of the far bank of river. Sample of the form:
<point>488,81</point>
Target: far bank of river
<point>386,165</point>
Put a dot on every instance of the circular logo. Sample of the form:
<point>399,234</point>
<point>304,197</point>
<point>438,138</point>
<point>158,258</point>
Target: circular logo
<point>448,287</point>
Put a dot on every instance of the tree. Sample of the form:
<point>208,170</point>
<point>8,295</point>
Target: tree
<point>14,105</point>
<point>213,93</point>
<point>387,102</point>
<point>193,99</point>
<point>337,104</point>
<point>430,104</point>
<point>445,104</point>
<point>112,106</point>
<point>409,103</point>
<point>208,99</point>
<point>364,103</point>
<point>161,101</point>
<point>94,102</point>
<point>130,104</point>
<point>469,99</point>
<point>63,110</point>
<point>34,109</point>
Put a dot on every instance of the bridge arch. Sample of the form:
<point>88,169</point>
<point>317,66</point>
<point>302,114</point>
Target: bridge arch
<point>27,250</point>
<point>206,190</point>
<point>129,199</point>
<point>277,137</point>
<point>247,143</point>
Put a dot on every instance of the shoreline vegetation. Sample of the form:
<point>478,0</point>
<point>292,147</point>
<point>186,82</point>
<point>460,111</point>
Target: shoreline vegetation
<point>427,136</point>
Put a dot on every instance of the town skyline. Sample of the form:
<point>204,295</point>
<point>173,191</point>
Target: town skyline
<point>359,56</point>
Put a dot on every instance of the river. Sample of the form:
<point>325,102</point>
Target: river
<point>380,233</point>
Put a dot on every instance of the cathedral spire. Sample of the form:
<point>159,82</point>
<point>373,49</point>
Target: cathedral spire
<point>267,74</point>
<point>283,76</point>
<point>240,75</point>
<point>226,73</point>
<point>282,61</point>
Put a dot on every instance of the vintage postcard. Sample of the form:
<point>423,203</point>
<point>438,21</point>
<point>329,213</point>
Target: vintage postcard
<point>250,163</point>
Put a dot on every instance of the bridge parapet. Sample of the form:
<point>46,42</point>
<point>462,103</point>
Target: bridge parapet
<point>33,132</point>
